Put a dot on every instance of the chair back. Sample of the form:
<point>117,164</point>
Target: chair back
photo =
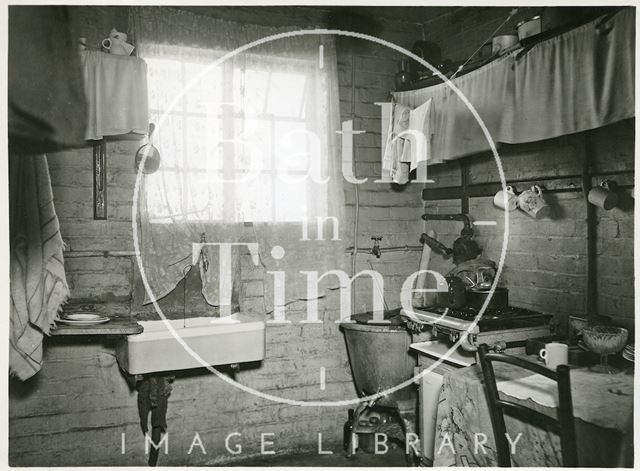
<point>563,425</point>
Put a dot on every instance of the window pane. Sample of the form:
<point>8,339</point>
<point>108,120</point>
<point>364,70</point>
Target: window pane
<point>254,200</point>
<point>204,197</point>
<point>294,146</point>
<point>165,82</point>
<point>204,149</point>
<point>163,193</point>
<point>205,93</point>
<point>286,94</point>
<point>250,90</point>
<point>168,138</point>
<point>291,200</point>
<point>253,146</point>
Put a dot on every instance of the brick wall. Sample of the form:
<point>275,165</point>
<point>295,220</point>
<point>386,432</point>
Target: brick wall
<point>390,211</point>
<point>74,411</point>
<point>545,264</point>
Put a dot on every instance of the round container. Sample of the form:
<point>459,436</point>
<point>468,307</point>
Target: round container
<point>379,356</point>
<point>528,28</point>
<point>501,43</point>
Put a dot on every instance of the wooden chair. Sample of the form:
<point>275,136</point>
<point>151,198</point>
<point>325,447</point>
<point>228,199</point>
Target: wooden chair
<point>563,425</point>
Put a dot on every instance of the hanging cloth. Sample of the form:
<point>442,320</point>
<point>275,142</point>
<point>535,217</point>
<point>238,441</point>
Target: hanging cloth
<point>38,283</point>
<point>577,81</point>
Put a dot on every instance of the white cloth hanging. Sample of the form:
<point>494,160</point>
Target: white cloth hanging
<point>116,90</point>
<point>417,146</point>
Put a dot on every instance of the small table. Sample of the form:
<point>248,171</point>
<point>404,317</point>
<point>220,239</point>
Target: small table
<point>602,407</point>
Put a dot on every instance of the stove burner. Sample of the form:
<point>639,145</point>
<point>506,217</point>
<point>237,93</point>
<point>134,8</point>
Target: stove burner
<point>493,319</point>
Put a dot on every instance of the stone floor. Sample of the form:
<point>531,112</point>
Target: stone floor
<point>393,458</point>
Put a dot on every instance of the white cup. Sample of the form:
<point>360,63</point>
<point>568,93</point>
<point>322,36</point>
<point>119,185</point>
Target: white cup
<point>512,199</point>
<point>555,354</point>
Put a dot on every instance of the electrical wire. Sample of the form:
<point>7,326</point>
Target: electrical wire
<point>354,254</point>
<point>511,14</point>
<point>380,290</point>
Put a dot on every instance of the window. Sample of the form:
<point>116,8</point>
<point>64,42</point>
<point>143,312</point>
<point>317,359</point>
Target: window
<point>242,144</point>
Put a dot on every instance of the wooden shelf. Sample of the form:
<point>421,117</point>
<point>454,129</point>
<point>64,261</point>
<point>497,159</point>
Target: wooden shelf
<point>116,326</point>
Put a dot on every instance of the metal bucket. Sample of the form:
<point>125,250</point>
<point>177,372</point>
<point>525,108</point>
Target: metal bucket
<point>379,357</point>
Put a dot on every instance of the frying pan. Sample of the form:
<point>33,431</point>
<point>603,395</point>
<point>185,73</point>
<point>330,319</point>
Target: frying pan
<point>152,162</point>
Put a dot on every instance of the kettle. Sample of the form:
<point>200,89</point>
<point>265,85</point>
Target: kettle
<point>456,295</point>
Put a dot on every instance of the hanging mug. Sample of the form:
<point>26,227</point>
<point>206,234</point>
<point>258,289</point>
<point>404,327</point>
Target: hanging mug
<point>509,195</point>
<point>603,197</point>
<point>532,203</point>
<point>117,46</point>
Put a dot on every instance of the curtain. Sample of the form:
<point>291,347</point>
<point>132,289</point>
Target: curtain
<point>574,82</point>
<point>577,81</point>
<point>46,101</point>
<point>249,152</point>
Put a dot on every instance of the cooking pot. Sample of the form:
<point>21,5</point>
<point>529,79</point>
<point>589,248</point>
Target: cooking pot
<point>476,298</point>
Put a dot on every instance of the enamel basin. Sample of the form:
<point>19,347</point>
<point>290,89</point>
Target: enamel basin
<point>236,338</point>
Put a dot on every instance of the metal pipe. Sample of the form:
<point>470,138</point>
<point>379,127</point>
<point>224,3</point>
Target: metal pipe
<point>403,248</point>
<point>462,217</point>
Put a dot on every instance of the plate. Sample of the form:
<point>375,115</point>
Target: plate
<point>83,319</point>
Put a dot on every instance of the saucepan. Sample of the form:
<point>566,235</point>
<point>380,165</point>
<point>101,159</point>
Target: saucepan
<point>475,298</point>
<point>458,296</point>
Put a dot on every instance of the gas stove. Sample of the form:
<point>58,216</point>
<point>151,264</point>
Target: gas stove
<point>511,324</point>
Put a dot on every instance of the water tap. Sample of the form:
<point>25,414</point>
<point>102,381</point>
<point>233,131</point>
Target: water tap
<point>375,250</point>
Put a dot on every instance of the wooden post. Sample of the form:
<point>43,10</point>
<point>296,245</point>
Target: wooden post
<point>591,285</point>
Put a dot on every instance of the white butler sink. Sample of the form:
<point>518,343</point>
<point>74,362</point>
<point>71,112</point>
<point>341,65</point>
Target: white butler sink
<point>218,341</point>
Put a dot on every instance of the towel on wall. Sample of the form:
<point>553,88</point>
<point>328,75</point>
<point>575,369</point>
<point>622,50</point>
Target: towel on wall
<point>116,88</point>
<point>37,278</point>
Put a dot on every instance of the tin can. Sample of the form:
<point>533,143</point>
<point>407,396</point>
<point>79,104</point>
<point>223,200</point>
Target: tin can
<point>528,28</point>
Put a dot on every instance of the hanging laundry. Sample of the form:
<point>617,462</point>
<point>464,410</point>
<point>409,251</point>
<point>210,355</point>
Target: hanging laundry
<point>417,147</point>
<point>392,165</point>
<point>153,397</point>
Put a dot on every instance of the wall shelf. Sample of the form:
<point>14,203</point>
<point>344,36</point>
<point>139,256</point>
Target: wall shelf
<point>116,326</point>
